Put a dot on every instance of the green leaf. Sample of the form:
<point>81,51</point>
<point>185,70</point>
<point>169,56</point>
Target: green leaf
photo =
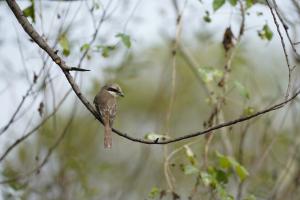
<point>154,193</point>
<point>265,33</point>
<point>249,111</point>
<point>224,161</point>
<point>217,4</point>
<point>221,176</point>
<point>106,50</point>
<point>229,162</point>
<point>233,2</point>
<point>259,13</point>
<point>223,193</point>
<point>84,47</point>
<point>206,178</point>
<point>64,43</point>
<point>125,39</point>
<point>241,172</point>
<point>190,169</point>
<point>206,17</point>
<point>242,90</point>
<point>209,74</point>
<point>249,3</point>
<point>29,11</point>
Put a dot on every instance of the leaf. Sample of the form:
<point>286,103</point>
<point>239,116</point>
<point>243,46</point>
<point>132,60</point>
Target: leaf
<point>265,33</point>
<point>206,178</point>
<point>64,43</point>
<point>221,176</point>
<point>242,90</point>
<point>233,2</point>
<point>259,13</point>
<point>217,4</point>
<point>84,47</point>
<point>227,161</point>
<point>190,169</point>
<point>241,172</point>
<point>209,74</point>
<point>106,50</point>
<point>125,39</point>
<point>249,111</point>
<point>206,17</point>
<point>153,136</point>
<point>154,192</point>
<point>29,11</point>
<point>249,3</point>
<point>224,162</point>
<point>190,154</point>
<point>223,193</point>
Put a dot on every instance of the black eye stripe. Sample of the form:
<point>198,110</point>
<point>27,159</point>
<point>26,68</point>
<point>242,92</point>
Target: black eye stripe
<point>113,90</point>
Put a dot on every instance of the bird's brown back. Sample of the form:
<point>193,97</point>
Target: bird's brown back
<point>106,103</point>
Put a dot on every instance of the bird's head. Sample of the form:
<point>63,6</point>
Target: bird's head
<point>114,89</point>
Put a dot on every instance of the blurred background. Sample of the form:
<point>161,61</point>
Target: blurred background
<point>184,66</point>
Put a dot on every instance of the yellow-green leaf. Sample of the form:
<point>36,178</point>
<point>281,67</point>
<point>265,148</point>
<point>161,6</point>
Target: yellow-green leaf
<point>190,169</point>
<point>233,2</point>
<point>265,33</point>
<point>125,39</point>
<point>29,11</point>
<point>84,47</point>
<point>242,89</point>
<point>217,4</point>
<point>241,172</point>
<point>154,193</point>
<point>65,45</point>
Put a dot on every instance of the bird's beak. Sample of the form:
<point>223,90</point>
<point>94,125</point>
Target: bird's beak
<point>121,94</point>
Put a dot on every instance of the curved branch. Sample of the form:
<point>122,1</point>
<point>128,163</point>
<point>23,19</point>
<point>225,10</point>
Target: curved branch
<point>66,70</point>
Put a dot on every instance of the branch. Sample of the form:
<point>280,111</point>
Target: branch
<point>44,161</point>
<point>290,69</point>
<point>24,137</point>
<point>65,69</point>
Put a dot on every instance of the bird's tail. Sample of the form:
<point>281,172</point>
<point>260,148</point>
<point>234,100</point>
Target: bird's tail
<point>107,136</point>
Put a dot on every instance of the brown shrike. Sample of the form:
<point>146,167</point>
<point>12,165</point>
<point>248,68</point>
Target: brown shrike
<point>106,105</point>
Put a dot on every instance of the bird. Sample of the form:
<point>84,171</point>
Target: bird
<point>106,105</point>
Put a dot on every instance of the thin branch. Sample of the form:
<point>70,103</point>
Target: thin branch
<point>168,174</point>
<point>57,59</point>
<point>284,50</point>
<point>285,26</point>
<point>28,92</point>
<point>46,158</point>
<point>24,137</point>
<point>103,16</point>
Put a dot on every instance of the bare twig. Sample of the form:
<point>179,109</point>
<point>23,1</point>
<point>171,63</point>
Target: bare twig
<point>28,92</point>
<point>167,171</point>
<point>24,137</point>
<point>285,26</point>
<point>46,158</point>
<point>284,50</point>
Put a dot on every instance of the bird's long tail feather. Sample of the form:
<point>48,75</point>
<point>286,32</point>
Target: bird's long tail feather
<point>107,134</point>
